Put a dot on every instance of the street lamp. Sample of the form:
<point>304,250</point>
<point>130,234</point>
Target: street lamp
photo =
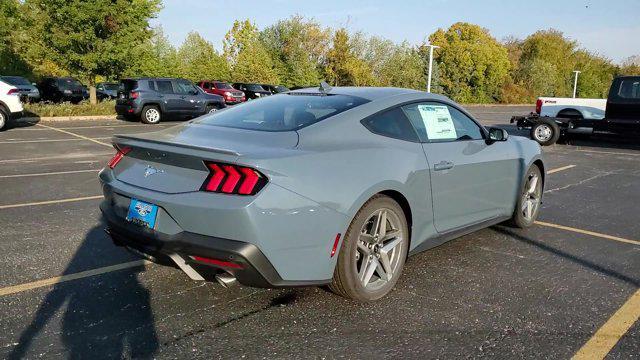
<point>431,47</point>
<point>575,82</point>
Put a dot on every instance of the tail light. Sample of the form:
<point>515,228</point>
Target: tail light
<point>134,95</point>
<point>118,156</point>
<point>13,91</point>
<point>233,179</point>
<point>538,106</point>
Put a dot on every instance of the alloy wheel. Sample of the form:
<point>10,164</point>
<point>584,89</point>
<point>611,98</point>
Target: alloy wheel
<point>543,132</point>
<point>152,115</point>
<point>379,249</point>
<point>531,197</point>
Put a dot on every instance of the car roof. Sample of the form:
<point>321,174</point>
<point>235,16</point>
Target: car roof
<point>369,93</point>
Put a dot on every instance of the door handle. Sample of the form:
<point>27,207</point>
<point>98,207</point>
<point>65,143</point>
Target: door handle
<point>443,165</point>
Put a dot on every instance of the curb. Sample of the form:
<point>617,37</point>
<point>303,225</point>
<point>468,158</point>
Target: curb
<point>69,118</point>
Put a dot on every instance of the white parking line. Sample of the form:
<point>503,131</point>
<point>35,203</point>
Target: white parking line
<point>560,169</point>
<point>50,202</point>
<point>588,232</point>
<point>76,135</point>
<point>50,140</point>
<point>64,278</point>
<point>46,173</point>
<point>608,152</point>
<point>94,127</point>
<point>55,157</point>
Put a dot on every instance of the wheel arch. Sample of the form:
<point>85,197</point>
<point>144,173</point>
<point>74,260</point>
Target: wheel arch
<point>540,165</point>
<point>570,111</point>
<point>404,204</point>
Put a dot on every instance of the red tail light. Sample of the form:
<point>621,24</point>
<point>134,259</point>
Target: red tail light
<point>134,95</point>
<point>217,262</point>
<point>118,156</point>
<point>233,179</point>
<point>13,91</point>
<point>538,106</point>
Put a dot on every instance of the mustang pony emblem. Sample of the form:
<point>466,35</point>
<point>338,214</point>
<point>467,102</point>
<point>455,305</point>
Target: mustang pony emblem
<point>150,170</point>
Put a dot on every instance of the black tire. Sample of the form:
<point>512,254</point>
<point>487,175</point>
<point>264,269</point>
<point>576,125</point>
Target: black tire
<point>4,119</point>
<point>519,219</point>
<point>211,108</point>
<point>545,132</point>
<point>345,278</point>
<point>151,114</point>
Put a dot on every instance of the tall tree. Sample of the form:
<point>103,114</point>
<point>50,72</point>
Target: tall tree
<point>472,64</point>
<point>200,60</point>
<point>93,38</point>
<point>343,67</point>
<point>155,57</point>
<point>247,57</point>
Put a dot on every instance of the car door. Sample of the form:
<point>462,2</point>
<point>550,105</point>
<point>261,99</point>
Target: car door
<point>623,106</point>
<point>471,180</point>
<point>190,101</point>
<point>169,98</point>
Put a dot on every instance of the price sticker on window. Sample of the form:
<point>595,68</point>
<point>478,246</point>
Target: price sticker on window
<point>437,121</point>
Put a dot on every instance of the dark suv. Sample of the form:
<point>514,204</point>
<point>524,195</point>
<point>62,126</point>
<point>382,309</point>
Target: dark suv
<point>61,89</point>
<point>152,99</point>
<point>252,91</point>
<point>231,96</point>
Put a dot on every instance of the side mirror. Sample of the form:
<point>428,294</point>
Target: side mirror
<point>497,134</point>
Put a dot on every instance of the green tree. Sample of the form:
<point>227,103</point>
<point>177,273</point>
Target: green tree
<point>343,67</point>
<point>630,66</point>
<point>91,38</point>
<point>472,64</point>
<point>247,57</point>
<point>200,60</point>
<point>154,57</point>
<point>296,46</point>
<point>10,61</point>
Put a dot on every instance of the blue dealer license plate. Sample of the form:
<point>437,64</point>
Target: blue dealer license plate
<point>142,213</point>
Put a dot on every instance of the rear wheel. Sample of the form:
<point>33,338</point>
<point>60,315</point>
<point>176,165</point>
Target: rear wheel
<point>528,204</point>
<point>151,114</point>
<point>210,109</point>
<point>373,251</point>
<point>545,132</point>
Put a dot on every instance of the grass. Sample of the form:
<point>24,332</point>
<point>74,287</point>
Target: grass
<point>84,108</point>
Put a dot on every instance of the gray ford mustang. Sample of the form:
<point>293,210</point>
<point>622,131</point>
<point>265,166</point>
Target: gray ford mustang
<point>317,187</point>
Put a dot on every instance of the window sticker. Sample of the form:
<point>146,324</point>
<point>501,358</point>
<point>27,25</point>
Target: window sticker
<point>437,120</point>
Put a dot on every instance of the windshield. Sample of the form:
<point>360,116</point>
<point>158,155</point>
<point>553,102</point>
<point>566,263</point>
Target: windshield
<point>223,86</point>
<point>284,112</point>
<point>16,80</point>
<point>68,83</point>
<point>255,87</point>
<point>281,88</point>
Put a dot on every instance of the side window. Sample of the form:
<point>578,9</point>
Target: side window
<point>206,85</point>
<point>629,89</point>
<point>164,86</point>
<point>152,85</point>
<point>437,122</point>
<point>184,87</point>
<point>391,123</point>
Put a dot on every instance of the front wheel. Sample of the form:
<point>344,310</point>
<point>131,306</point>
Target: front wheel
<point>3,118</point>
<point>373,251</point>
<point>151,114</point>
<point>528,204</point>
<point>546,132</point>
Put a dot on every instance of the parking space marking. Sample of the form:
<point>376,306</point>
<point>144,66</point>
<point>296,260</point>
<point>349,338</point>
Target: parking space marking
<point>608,152</point>
<point>56,157</point>
<point>47,173</point>
<point>587,232</point>
<point>601,343</point>
<point>560,169</point>
<point>92,127</point>
<point>50,202</point>
<point>50,140</point>
<point>75,276</point>
<point>76,135</point>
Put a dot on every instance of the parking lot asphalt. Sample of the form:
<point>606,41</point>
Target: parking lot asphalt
<point>567,285</point>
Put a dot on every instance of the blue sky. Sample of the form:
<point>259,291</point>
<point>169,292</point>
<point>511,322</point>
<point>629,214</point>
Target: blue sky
<point>610,28</point>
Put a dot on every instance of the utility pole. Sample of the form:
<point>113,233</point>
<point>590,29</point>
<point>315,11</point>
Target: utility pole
<point>575,82</point>
<point>431,47</point>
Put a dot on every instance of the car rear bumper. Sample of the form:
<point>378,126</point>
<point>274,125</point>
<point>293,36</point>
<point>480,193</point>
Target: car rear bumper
<point>127,109</point>
<point>242,260</point>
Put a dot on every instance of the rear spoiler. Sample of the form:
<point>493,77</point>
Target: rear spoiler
<point>136,139</point>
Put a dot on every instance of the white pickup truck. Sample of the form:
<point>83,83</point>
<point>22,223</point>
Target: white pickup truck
<point>571,108</point>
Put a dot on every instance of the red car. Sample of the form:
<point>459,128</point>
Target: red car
<point>231,96</point>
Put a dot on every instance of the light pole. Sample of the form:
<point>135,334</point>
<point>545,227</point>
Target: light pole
<point>575,82</point>
<point>431,47</point>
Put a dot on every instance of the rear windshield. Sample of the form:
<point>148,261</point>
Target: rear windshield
<point>629,89</point>
<point>110,86</point>
<point>68,83</point>
<point>284,112</point>
<point>128,85</point>
<point>16,80</point>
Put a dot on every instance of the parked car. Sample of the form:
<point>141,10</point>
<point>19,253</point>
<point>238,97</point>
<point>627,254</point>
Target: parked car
<point>107,90</point>
<point>302,189</point>
<point>151,99</point>
<point>252,91</point>
<point>10,105</point>
<point>557,117</point>
<point>231,96</point>
<point>28,91</point>
<point>274,89</point>
<point>59,89</point>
